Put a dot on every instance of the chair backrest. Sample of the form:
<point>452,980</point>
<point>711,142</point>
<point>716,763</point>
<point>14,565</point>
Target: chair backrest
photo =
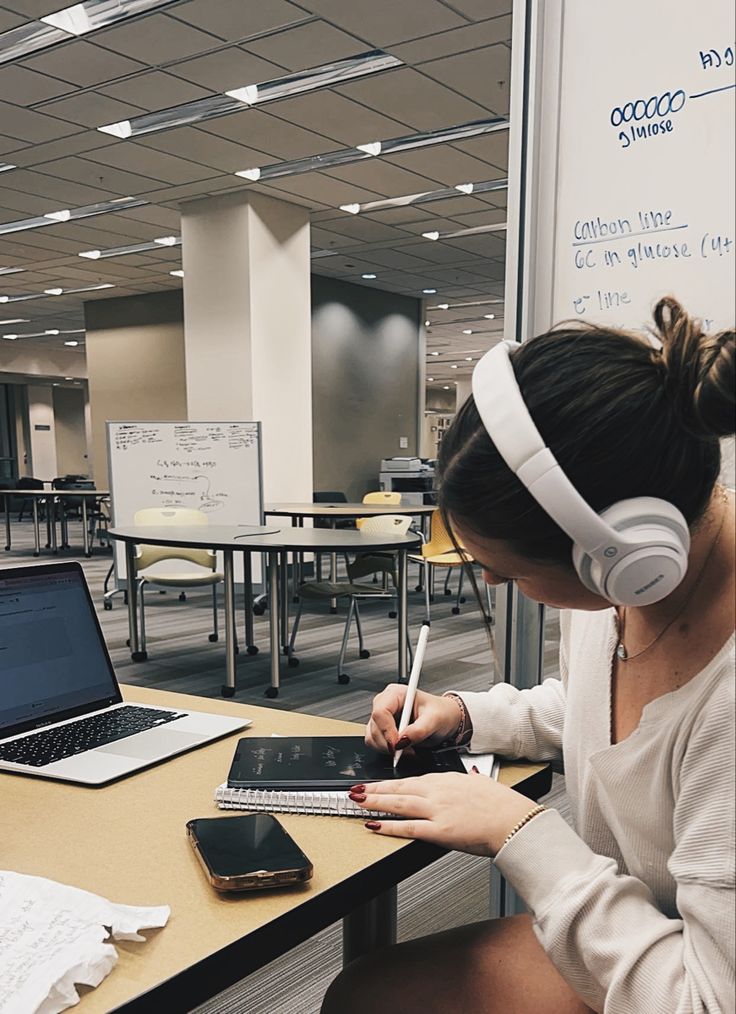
<point>329,496</point>
<point>382,496</point>
<point>384,524</point>
<point>147,556</point>
<point>440,540</point>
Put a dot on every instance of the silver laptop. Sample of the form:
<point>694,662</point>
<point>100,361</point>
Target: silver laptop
<point>61,711</point>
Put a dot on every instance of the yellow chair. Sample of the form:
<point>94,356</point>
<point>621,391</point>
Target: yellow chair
<point>150,562</point>
<point>440,551</point>
<point>380,496</point>
<point>363,565</point>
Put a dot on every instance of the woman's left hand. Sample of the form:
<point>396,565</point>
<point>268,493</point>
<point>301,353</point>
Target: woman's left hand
<point>470,813</point>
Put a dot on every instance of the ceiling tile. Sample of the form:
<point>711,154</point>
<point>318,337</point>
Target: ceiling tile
<point>412,98</point>
<point>491,148</point>
<point>156,39</point>
<point>335,116</point>
<point>26,87</point>
<point>478,10</point>
<point>383,178</point>
<point>10,20</point>
<point>90,109</point>
<point>119,184</point>
<point>83,63</point>
<point>207,149</point>
<point>155,90</point>
<point>167,218</point>
<point>35,8</point>
<point>482,75</point>
<point>30,126</point>
<point>307,46</point>
<point>227,69</point>
<point>155,165</point>
<point>459,40</point>
<point>238,19</point>
<point>277,138</point>
<point>315,187</point>
<point>54,193</point>
<point>445,165</point>
<point>37,154</point>
<point>385,22</point>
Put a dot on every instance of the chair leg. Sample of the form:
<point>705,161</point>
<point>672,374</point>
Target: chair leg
<point>318,566</point>
<point>142,613</point>
<point>459,599</point>
<point>428,582</point>
<point>295,628</point>
<point>362,650</point>
<point>447,581</point>
<point>342,677</point>
<point>215,635</point>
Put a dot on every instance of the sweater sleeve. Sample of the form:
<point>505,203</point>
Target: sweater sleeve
<point>521,723</point>
<point>604,931</point>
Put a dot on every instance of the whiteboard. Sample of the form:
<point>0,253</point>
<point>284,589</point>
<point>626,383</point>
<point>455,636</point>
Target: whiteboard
<point>645,168</point>
<point>214,467</point>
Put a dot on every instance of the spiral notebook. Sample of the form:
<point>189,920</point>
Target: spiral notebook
<point>312,774</point>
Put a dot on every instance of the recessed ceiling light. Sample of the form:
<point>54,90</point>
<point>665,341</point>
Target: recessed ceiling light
<point>168,240</point>
<point>467,330</point>
<point>178,273</point>
<point>368,274</point>
<point>235,100</point>
<point>88,211</point>
<point>345,156</point>
<point>59,216</point>
<point>72,344</point>
<point>427,323</point>
<point>446,387</point>
<point>68,378</point>
<point>424,197</point>
<point>429,292</point>
<point>476,230</point>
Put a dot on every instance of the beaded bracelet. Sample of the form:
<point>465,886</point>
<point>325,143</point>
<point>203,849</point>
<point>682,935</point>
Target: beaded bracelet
<point>464,731</point>
<point>524,820</point>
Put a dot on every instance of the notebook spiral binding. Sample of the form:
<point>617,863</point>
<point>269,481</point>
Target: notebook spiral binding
<point>332,804</point>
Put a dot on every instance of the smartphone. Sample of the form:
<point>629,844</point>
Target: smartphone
<point>246,853</point>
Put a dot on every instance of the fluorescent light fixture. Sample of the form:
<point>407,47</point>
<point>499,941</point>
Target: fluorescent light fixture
<point>5,167</point>
<point>177,274</point>
<point>56,291</point>
<point>489,316</point>
<point>467,330</point>
<point>430,379</point>
<point>88,211</point>
<point>368,274</point>
<point>434,353</point>
<point>11,271</point>
<point>10,337</point>
<point>445,387</point>
<point>133,248</point>
<point>72,344</point>
<point>90,15</point>
<point>27,39</point>
<point>427,323</point>
<point>233,101</point>
<point>345,156</point>
<point>429,292</point>
<point>52,331</point>
<point>440,306</point>
<point>475,302</point>
<point>372,149</point>
<point>14,320</point>
<point>477,230</point>
<point>59,216</point>
<point>468,359</point>
<point>425,197</point>
<point>68,378</point>
<point>453,366</point>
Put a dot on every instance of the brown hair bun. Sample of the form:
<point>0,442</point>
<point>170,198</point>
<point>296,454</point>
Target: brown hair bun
<point>700,369</point>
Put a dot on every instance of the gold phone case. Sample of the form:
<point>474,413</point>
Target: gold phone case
<point>254,879</point>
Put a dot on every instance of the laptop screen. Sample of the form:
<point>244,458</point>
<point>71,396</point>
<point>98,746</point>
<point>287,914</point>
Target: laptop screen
<point>53,661</point>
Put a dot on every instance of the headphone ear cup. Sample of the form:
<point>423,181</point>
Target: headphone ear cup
<point>650,557</point>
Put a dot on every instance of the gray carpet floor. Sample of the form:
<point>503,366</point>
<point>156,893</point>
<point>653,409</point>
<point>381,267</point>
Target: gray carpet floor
<point>453,891</point>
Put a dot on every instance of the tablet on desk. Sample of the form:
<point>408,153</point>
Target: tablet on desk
<point>314,763</point>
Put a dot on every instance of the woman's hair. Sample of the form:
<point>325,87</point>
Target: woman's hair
<point>623,418</point>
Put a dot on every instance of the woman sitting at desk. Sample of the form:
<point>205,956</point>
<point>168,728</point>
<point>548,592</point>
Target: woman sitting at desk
<point>634,910</point>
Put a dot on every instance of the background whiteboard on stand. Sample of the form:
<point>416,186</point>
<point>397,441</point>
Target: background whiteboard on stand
<point>627,165</point>
<point>214,467</point>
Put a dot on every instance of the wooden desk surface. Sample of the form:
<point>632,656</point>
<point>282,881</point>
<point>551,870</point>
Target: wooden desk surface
<point>127,842</point>
<point>345,510</point>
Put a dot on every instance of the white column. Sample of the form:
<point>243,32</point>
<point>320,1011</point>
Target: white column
<point>463,391</point>
<point>42,432</point>
<point>247,327</point>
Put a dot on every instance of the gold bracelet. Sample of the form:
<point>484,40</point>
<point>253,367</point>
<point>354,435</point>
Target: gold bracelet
<point>522,822</point>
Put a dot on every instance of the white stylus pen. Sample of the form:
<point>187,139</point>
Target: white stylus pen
<point>411,690</point>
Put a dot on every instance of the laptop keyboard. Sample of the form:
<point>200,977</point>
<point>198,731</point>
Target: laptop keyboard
<point>76,737</point>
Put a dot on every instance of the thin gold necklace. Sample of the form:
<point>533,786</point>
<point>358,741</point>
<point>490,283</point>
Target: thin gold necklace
<point>621,652</point>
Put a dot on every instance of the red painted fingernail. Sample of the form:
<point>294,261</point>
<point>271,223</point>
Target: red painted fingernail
<point>403,743</point>
<point>357,788</point>
<point>373,825</point>
<point>357,797</point>
<point>475,770</point>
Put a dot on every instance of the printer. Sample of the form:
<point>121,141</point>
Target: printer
<point>412,477</point>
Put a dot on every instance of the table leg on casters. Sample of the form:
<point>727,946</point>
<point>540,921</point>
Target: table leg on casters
<point>36,533</point>
<point>284,602</point>
<point>333,569</point>
<point>403,618</point>
<point>132,587</point>
<point>85,530</point>
<point>273,622</point>
<point>228,689</point>
<point>248,591</point>
<point>369,926</point>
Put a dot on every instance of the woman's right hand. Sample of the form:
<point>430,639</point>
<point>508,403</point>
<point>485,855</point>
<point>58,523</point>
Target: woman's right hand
<point>435,719</point>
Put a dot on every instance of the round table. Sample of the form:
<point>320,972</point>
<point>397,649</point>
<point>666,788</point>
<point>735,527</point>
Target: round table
<point>50,497</point>
<point>275,543</point>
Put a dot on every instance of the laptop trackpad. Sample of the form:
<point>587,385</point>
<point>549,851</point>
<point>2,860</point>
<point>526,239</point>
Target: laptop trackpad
<point>149,745</point>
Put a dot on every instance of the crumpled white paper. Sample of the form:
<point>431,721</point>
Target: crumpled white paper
<point>52,938</point>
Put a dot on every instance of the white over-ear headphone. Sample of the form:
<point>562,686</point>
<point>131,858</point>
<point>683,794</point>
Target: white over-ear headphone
<point>635,552</point>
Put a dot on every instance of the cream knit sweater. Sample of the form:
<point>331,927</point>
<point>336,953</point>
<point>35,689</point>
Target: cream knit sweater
<point>637,908</point>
